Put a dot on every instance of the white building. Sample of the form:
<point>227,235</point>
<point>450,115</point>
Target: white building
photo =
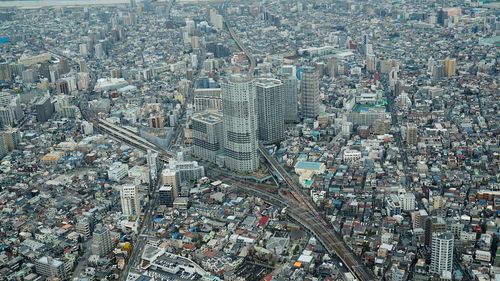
<point>130,200</point>
<point>240,124</point>
<point>117,171</point>
<point>207,135</point>
<point>351,155</point>
<point>408,202</point>
<point>441,253</point>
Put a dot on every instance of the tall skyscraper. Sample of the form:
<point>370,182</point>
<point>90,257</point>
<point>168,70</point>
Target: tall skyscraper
<point>129,197</point>
<point>290,98</point>
<point>441,253</point>
<point>270,97</point>
<point>207,135</point>
<point>309,90</point>
<point>44,109</point>
<point>450,67</point>
<point>239,104</point>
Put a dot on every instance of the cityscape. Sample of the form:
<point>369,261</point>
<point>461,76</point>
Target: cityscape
<point>162,140</point>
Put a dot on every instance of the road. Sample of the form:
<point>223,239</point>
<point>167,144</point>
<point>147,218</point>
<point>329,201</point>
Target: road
<point>236,39</point>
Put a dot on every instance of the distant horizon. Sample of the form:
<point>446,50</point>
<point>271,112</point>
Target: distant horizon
<point>48,3</point>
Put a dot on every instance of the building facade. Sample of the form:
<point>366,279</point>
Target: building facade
<point>441,253</point>
<point>270,100</point>
<point>309,91</point>
<point>239,103</point>
<point>207,135</point>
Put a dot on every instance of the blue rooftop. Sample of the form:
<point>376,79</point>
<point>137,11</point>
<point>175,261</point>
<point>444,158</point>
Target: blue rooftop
<point>308,165</point>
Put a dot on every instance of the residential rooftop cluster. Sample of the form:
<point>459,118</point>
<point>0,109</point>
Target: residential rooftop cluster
<point>183,140</point>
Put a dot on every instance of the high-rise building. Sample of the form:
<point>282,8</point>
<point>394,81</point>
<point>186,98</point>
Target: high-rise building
<point>102,243</point>
<point>270,98</point>
<point>166,196</point>
<point>82,65</point>
<point>44,109</point>
<point>450,67</point>
<point>99,51</point>
<point>442,253</point>
<point>63,66</point>
<point>5,72</point>
<point>438,71</point>
<point>62,87</point>
<point>130,200</point>
<point>239,104</point>
<point>433,225</point>
<point>9,139</point>
<point>29,75</point>
<point>207,135</point>
<point>290,98</point>
<point>411,135</point>
<point>309,91</point>
<point>408,202</point>
<point>169,177</point>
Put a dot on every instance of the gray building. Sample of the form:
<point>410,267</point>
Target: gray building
<point>207,135</point>
<point>290,98</point>
<point>49,267</point>
<point>44,109</point>
<point>239,104</point>
<point>309,90</point>
<point>270,96</point>
<point>102,243</point>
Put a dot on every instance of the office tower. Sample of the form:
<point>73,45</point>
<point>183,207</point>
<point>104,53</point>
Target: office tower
<point>290,98</point>
<point>5,72</point>
<point>270,98</point>
<point>441,253</point>
<point>51,268</point>
<point>169,177</point>
<point>53,73</point>
<point>239,105</point>
<point>450,67</point>
<point>62,87</point>
<point>433,225</point>
<point>190,27</point>
<point>82,65</point>
<point>84,50</point>
<point>166,196</point>
<point>216,20</point>
<point>207,135</point>
<point>371,63</point>
<point>44,109</point>
<point>102,243</point>
<point>309,91</point>
<point>99,51</point>
<point>130,200</point>
<point>411,135</point>
<point>430,65</point>
<point>29,76</point>
<point>438,71</point>
<point>63,66</point>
